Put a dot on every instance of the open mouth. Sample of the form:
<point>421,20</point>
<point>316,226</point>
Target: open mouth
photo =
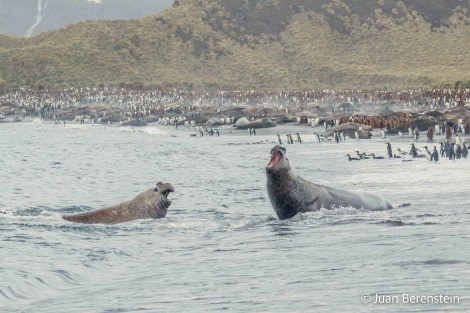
<point>165,190</point>
<point>166,201</point>
<point>275,157</point>
<point>162,206</point>
<point>277,152</point>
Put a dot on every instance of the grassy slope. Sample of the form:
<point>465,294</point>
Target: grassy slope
<point>246,44</point>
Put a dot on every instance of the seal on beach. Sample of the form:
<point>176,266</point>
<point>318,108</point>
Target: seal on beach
<point>152,203</point>
<point>244,123</point>
<point>352,130</point>
<point>290,194</point>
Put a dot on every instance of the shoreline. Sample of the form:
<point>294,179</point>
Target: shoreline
<point>393,111</point>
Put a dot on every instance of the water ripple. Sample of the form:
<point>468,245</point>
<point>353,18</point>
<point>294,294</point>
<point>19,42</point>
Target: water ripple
<point>221,246</point>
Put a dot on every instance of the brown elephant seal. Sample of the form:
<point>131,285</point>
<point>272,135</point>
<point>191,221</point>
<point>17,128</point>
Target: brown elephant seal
<point>152,203</point>
<point>291,194</point>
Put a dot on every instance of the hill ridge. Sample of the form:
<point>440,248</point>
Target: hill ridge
<point>249,44</point>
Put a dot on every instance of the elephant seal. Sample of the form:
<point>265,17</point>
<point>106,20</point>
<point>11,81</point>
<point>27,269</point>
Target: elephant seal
<point>290,194</point>
<point>349,129</point>
<point>152,203</point>
<point>244,123</point>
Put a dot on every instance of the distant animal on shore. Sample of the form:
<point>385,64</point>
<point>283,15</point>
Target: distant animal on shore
<point>350,129</point>
<point>244,123</point>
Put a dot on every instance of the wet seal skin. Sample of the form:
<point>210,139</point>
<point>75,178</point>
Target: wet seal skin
<point>291,194</point>
<point>152,203</point>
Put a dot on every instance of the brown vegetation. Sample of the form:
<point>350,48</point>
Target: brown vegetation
<point>253,44</point>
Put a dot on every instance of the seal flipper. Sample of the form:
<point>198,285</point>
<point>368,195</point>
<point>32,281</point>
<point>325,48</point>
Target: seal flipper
<point>404,205</point>
<point>313,205</point>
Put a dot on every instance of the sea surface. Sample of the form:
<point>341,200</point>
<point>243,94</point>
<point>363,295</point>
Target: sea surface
<point>221,247</point>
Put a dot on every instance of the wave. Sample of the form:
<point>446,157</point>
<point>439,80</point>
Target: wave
<point>431,262</point>
<point>31,287</point>
<point>225,218</point>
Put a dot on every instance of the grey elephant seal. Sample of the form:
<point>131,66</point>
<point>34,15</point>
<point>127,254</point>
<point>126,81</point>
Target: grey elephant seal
<point>152,203</point>
<point>349,129</point>
<point>244,123</point>
<point>291,194</point>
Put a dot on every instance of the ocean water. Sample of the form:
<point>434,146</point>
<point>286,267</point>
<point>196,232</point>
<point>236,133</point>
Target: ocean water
<point>221,246</point>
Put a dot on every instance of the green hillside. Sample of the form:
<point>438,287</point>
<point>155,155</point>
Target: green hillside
<point>254,44</point>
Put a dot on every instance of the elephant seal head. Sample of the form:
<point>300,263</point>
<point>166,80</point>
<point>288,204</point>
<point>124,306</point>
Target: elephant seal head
<point>162,190</point>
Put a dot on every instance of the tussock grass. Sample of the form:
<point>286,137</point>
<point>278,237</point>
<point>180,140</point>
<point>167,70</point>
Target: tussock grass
<point>241,44</point>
